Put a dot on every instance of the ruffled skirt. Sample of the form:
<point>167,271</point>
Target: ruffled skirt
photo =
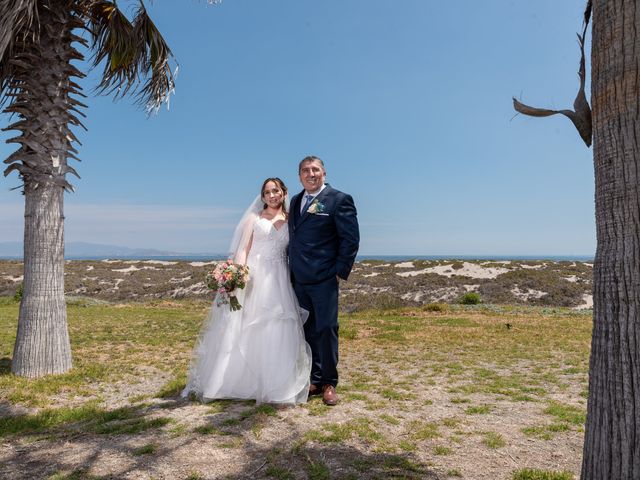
<point>258,352</point>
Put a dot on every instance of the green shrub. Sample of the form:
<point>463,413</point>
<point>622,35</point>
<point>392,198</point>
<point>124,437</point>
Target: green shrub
<point>435,307</point>
<point>385,301</point>
<point>18,295</point>
<point>470,298</point>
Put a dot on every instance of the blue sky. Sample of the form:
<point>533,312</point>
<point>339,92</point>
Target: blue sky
<point>407,102</point>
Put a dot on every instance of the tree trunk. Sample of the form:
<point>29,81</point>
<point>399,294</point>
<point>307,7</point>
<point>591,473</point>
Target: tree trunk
<point>612,446</point>
<point>42,84</point>
<point>42,343</point>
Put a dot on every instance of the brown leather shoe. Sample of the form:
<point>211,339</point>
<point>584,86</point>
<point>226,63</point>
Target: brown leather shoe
<point>314,390</point>
<point>329,395</point>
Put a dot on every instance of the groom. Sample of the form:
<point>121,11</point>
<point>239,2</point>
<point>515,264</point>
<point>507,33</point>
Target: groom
<point>323,242</point>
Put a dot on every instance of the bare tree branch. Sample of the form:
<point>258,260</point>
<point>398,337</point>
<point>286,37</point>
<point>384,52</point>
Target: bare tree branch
<point>581,114</point>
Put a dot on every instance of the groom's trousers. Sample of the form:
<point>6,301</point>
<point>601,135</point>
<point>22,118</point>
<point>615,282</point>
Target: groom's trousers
<point>321,328</point>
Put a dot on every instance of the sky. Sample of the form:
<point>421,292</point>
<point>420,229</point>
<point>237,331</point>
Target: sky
<point>408,103</point>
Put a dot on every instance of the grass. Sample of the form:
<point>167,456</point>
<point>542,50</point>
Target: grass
<point>341,432</point>
<point>567,417</point>
<point>177,430</point>
<point>75,475</point>
<point>455,322</point>
<point>451,422</point>
<point>265,409</point>
<point>407,446</point>
<point>546,432</point>
<point>534,474</point>
<point>279,473</point>
<point>130,426</point>
<point>442,450</point>
<point>389,419</point>
<point>193,475</point>
<point>567,413</point>
<point>206,429</point>
<point>254,417</point>
<point>147,449</point>
<point>219,406</point>
<point>317,470</point>
<point>87,418</point>
<point>394,394</point>
<point>493,440</point>
<point>164,333</point>
<point>174,387</point>
<point>459,400</point>
<point>103,350</point>
<point>316,408</point>
<point>396,369</point>
<point>436,307</point>
<point>47,419</point>
<point>478,410</point>
<point>423,430</point>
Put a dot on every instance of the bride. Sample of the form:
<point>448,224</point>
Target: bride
<point>258,352</point>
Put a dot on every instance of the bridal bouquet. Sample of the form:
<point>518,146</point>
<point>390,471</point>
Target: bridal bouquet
<point>225,278</point>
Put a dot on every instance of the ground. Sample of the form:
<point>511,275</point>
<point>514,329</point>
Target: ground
<point>433,392</point>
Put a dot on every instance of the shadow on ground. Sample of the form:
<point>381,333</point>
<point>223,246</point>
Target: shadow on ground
<point>213,453</point>
<point>5,366</point>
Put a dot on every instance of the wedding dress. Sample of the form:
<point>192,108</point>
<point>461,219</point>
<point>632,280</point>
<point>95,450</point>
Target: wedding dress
<point>258,352</point>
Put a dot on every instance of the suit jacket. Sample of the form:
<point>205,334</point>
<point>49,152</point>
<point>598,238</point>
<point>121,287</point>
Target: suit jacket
<point>323,244</point>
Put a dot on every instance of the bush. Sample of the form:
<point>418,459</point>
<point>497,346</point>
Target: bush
<point>435,307</point>
<point>386,301</point>
<point>18,295</point>
<point>470,298</point>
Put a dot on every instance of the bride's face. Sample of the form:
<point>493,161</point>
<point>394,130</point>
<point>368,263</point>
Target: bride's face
<point>272,195</point>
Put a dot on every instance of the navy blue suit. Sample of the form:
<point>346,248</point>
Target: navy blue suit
<point>322,245</point>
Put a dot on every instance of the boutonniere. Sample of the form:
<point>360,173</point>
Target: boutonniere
<point>315,207</point>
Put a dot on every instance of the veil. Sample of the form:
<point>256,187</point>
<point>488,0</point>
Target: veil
<point>242,234</point>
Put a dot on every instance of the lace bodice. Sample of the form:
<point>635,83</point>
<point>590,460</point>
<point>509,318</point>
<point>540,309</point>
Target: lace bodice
<point>269,243</point>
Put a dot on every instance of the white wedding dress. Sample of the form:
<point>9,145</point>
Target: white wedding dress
<point>258,352</point>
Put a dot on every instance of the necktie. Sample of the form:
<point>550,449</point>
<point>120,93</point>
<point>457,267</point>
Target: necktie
<point>306,205</point>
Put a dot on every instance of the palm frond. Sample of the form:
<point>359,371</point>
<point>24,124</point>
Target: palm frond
<point>18,22</point>
<point>15,17</point>
<point>113,41</point>
<point>136,57</point>
<point>153,62</point>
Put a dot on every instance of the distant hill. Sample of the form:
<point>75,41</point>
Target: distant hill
<point>373,284</point>
<point>90,250</point>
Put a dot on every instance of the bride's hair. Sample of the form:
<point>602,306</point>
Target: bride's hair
<point>281,186</point>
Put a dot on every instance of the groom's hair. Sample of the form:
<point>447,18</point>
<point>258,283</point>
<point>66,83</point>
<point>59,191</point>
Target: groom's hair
<point>310,158</point>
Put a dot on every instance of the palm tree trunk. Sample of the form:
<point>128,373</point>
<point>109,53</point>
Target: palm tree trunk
<point>612,435</point>
<point>42,343</point>
<point>42,83</point>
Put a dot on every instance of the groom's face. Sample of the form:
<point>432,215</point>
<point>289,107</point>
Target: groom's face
<point>312,175</point>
